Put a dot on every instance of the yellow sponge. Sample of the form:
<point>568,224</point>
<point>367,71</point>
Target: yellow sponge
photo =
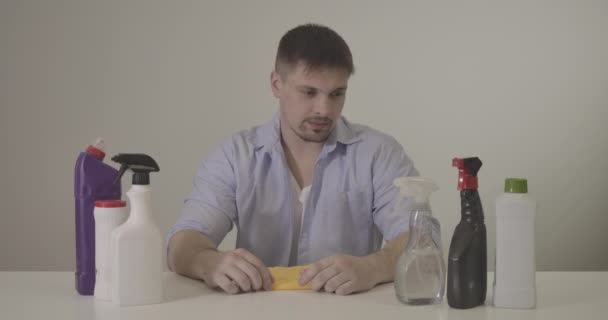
<point>286,278</point>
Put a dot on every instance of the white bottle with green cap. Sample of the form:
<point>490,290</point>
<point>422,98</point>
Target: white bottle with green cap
<point>515,272</point>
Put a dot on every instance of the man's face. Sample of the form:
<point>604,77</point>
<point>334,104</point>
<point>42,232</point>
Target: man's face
<point>311,100</point>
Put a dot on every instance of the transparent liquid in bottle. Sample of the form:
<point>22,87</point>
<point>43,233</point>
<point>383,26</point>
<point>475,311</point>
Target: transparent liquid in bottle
<point>420,271</point>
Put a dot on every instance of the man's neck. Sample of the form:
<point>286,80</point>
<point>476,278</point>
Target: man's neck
<point>301,155</point>
<point>299,147</point>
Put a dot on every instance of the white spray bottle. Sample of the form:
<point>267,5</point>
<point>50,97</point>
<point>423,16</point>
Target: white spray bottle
<point>420,271</point>
<point>136,246</point>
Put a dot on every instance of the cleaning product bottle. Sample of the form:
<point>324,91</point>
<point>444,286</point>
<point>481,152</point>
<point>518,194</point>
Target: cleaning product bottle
<point>467,258</point>
<point>420,270</point>
<point>93,180</point>
<point>136,245</point>
<point>109,214</point>
<point>515,273</point>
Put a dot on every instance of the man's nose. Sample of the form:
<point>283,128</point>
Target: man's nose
<point>322,106</point>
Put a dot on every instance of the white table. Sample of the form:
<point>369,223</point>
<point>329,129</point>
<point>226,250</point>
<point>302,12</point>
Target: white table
<point>51,295</point>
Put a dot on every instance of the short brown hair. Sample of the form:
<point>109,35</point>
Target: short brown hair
<point>316,46</point>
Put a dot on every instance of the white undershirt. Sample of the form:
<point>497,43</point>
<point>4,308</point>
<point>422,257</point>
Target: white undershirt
<point>300,199</point>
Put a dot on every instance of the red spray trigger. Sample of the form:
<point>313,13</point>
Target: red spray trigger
<point>467,172</point>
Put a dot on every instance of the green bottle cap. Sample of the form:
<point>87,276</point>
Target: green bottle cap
<point>516,185</point>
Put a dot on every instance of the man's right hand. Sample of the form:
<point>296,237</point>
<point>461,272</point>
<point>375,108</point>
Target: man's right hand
<point>194,255</point>
<point>234,271</point>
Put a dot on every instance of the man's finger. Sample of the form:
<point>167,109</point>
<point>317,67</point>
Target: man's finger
<point>262,269</point>
<point>346,288</point>
<point>251,271</point>
<point>334,283</point>
<point>308,274</point>
<point>239,277</point>
<point>226,284</point>
<point>319,281</point>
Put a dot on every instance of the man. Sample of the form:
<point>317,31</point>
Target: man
<point>307,188</point>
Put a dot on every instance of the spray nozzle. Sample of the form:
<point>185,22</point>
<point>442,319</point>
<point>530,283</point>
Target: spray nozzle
<point>418,188</point>
<point>467,172</point>
<point>141,165</point>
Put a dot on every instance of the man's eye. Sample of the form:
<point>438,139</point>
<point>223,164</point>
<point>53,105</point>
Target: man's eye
<point>309,93</point>
<point>338,94</point>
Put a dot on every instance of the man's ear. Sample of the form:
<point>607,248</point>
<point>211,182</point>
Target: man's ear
<point>276,83</point>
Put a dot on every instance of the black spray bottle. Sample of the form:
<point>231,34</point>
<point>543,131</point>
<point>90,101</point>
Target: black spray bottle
<point>467,259</point>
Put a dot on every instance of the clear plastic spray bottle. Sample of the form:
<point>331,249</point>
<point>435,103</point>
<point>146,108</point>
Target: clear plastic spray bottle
<point>420,271</point>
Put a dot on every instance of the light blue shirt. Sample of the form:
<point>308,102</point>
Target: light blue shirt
<point>246,182</point>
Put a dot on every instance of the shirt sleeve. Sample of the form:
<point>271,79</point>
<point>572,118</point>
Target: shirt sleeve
<point>211,206</point>
<point>391,162</point>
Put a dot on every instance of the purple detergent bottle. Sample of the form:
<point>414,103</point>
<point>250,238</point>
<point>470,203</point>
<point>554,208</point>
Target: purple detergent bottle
<point>93,180</point>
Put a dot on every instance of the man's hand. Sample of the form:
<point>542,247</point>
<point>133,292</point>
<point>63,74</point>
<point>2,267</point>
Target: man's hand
<point>342,274</point>
<point>234,271</point>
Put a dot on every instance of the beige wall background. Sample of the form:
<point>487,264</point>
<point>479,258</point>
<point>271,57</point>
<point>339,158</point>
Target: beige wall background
<point>521,84</point>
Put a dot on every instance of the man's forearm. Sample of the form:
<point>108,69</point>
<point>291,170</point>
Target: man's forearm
<point>384,261</point>
<point>189,252</point>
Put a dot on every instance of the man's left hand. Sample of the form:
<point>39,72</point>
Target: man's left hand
<point>342,274</point>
